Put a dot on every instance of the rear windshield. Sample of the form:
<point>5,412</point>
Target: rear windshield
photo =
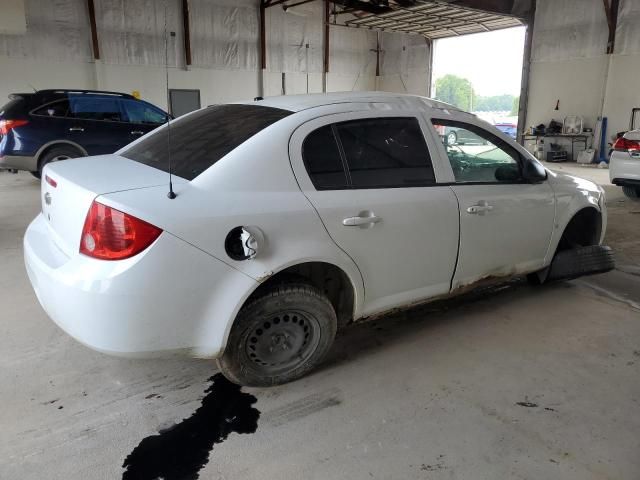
<point>202,138</point>
<point>12,107</point>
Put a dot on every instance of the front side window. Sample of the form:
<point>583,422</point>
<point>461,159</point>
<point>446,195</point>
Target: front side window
<point>95,108</point>
<point>200,139</point>
<point>141,112</point>
<point>477,156</point>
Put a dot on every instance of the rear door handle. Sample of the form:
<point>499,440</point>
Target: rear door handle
<point>137,132</point>
<point>76,129</point>
<point>361,221</point>
<point>479,209</point>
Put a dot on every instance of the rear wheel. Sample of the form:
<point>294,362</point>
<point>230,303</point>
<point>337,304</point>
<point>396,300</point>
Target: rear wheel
<point>631,191</point>
<point>279,337</point>
<point>452,138</point>
<point>55,154</point>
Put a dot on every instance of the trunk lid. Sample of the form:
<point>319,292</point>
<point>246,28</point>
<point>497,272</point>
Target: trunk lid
<point>69,187</point>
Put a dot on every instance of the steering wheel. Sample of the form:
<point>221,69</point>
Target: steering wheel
<point>459,162</point>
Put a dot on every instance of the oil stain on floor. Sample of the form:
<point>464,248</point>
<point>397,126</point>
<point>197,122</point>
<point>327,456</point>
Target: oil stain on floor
<point>181,451</point>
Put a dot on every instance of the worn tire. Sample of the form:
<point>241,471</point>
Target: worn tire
<point>268,313</point>
<point>60,152</point>
<point>631,191</point>
<point>580,261</point>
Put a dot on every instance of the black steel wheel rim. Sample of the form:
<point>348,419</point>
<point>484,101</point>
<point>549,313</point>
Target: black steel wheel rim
<point>282,341</point>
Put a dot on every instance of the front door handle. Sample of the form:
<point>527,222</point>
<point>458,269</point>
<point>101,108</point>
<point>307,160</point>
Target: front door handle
<point>76,129</point>
<point>479,209</point>
<point>137,132</point>
<point>362,220</point>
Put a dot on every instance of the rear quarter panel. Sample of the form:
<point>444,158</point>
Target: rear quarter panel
<point>252,186</point>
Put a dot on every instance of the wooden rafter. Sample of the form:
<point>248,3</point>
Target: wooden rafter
<point>94,29</point>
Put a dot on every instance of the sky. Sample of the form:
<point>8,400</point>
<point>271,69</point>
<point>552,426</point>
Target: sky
<point>492,61</point>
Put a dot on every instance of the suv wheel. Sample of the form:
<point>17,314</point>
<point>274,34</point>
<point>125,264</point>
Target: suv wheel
<point>55,154</point>
<point>631,191</point>
<point>279,336</point>
<point>452,138</point>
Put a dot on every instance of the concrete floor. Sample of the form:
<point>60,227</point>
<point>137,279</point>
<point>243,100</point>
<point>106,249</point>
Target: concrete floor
<point>512,382</point>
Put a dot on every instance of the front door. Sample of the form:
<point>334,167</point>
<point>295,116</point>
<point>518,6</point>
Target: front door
<point>373,184</point>
<point>505,222</point>
<point>141,117</point>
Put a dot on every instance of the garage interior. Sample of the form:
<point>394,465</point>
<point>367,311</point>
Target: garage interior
<point>510,381</point>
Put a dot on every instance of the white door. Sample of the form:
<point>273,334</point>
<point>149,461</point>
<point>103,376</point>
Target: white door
<point>505,221</point>
<point>371,180</point>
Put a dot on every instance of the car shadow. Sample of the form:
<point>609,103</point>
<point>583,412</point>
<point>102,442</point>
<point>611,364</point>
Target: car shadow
<point>364,338</point>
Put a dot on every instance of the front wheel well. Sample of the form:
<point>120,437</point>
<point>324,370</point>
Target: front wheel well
<point>329,279</point>
<point>583,230</point>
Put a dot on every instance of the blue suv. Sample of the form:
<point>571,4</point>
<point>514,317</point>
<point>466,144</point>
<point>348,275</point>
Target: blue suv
<point>50,125</point>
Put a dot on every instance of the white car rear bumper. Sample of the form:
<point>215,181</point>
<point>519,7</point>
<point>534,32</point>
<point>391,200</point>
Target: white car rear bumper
<point>624,169</point>
<point>171,297</point>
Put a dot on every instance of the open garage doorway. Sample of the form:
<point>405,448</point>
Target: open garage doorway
<point>481,73</point>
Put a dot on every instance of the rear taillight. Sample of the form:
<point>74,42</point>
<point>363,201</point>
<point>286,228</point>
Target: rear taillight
<point>7,125</point>
<point>109,234</point>
<point>625,145</point>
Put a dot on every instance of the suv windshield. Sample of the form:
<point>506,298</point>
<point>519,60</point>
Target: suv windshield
<point>200,139</point>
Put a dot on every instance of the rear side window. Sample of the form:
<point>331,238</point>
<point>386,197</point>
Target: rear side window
<point>95,108</point>
<point>386,152</point>
<point>200,139</point>
<point>322,159</point>
<point>54,109</point>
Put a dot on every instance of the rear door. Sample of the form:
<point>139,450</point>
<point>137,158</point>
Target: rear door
<point>97,122</point>
<point>505,222</point>
<point>371,180</point>
<point>50,122</point>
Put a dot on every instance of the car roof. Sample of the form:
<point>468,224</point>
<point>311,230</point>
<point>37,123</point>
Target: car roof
<point>64,91</point>
<point>296,103</point>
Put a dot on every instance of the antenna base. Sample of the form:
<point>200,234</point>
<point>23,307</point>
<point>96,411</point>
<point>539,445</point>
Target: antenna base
<point>172,195</point>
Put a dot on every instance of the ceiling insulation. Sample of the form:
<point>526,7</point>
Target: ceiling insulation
<point>430,18</point>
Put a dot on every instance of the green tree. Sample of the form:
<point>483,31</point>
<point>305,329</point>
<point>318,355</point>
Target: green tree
<point>456,91</point>
<point>496,103</point>
<point>515,108</point>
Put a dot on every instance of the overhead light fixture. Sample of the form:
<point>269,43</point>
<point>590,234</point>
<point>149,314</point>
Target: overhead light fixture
<point>293,11</point>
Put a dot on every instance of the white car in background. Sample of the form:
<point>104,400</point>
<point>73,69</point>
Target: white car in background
<point>624,163</point>
<point>294,216</point>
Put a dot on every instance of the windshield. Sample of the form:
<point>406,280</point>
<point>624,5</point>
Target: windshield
<point>200,139</point>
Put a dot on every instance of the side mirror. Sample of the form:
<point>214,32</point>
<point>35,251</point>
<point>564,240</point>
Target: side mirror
<point>533,172</point>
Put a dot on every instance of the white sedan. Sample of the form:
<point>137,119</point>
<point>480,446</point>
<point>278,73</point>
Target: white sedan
<point>624,164</point>
<point>292,217</point>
